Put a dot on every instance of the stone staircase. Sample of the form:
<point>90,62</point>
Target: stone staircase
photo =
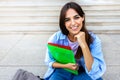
<point>26,25</point>
<point>33,16</point>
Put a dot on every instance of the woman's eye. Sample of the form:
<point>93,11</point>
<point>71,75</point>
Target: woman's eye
<point>77,17</point>
<point>67,19</point>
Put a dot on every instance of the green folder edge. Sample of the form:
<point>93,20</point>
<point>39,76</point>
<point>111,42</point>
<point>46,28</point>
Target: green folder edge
<point>59,48</point>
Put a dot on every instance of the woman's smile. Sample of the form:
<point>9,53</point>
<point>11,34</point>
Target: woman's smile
<point>74,28</point>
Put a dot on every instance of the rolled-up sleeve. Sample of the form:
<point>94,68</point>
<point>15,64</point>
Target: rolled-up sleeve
<point>98,66</point>
<point>49,60</point>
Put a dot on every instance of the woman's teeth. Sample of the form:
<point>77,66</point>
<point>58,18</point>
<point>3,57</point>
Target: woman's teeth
<point>74,28</point>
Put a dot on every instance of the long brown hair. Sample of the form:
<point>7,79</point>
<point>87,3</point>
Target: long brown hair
<point>79,10</point>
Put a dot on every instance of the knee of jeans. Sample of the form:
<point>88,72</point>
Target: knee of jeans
<point>82,76</point>
<point>100,78</point>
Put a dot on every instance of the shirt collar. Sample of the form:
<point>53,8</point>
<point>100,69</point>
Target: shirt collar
<point>62,36</point>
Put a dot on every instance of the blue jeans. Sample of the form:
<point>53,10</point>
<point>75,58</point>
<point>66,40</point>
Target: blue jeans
<point>61,74</point>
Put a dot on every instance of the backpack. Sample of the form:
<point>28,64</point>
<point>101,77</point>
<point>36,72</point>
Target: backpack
<point>25,75</point>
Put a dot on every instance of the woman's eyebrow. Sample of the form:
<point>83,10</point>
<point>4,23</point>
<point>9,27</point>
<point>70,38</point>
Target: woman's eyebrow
<point>77,15</point>
<point>66,17</point>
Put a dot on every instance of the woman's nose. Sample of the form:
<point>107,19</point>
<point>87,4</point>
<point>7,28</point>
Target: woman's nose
<point>72,22</point>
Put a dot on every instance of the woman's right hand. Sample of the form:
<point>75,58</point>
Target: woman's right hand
<point>72,66</point>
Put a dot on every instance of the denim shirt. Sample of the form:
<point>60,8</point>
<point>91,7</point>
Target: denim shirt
<point>98,66</point>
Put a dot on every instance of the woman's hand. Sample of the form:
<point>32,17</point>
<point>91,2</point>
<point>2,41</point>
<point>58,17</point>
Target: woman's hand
<point>81,38</point>
<point>72,66</point>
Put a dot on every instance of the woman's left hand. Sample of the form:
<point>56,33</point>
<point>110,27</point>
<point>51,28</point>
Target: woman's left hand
<point>81,38</point>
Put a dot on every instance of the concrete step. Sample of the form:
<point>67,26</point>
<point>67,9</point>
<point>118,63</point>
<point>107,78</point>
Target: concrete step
<point>28,53</point>
<point>10,25</point>
<point>55,13</point>
<point>32,29</point>
<point>50,20</point>
<point>33,6</point>
<point>53,2</point>
<point>56,7</point>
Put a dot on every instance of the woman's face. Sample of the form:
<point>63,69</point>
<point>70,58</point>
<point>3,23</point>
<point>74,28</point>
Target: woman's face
<point>73,22</point>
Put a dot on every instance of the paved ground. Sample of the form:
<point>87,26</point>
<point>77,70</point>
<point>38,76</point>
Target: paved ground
<point>27,51</point>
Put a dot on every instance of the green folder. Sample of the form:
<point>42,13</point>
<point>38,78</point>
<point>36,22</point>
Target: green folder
<point>62,54</point>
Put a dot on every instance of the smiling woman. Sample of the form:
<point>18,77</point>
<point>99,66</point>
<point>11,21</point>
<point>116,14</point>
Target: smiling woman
<point>85,45</point>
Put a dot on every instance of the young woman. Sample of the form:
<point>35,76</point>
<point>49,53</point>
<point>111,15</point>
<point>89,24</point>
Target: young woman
<point>85,45</point>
